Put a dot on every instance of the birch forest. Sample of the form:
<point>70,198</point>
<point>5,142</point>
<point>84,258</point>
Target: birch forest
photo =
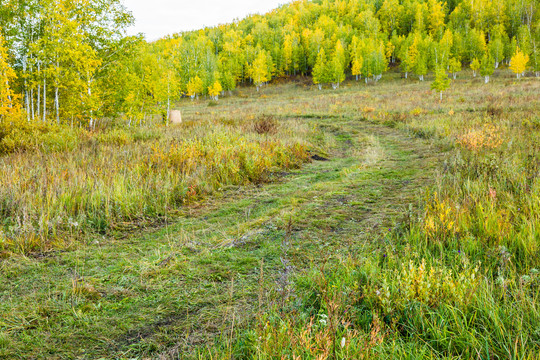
<point>71,60</point>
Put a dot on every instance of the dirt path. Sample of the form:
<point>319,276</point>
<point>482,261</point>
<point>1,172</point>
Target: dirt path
<point>329,209</point>
<point>168,292</point>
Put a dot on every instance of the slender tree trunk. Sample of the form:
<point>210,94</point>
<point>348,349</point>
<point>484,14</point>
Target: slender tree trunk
<point>32,103</point>
<point>26,95</point>
<point>27,102</point>
<point>168,101</point>
<point>44,99</point>
<point>38,95</point>
<point>56,101</point>
<point>57,105</point>
<point>91,123</point>
<point>31,92</point>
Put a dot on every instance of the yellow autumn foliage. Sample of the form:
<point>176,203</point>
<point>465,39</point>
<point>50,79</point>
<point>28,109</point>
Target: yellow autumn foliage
<point>518,63</point>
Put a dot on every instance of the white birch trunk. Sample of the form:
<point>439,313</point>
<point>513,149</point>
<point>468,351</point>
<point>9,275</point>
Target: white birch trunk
<point>27,103</point>
<point>32,103</point>
<point>56,101</point>
<point>44,99</point>
<point>57,105</point>
<point>91,123</point>
<point>26,95</point>
<point>38,94</point>
<point>168,100</point>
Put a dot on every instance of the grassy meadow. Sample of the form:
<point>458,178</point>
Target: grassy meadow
<point>413,234</point>
<point>120,178</point>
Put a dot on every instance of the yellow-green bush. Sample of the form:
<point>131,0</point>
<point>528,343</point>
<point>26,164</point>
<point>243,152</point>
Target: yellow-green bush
<point>428,285</point>
<point>21,135</point>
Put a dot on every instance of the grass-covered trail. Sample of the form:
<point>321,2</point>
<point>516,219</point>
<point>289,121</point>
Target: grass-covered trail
<point>172,291</point>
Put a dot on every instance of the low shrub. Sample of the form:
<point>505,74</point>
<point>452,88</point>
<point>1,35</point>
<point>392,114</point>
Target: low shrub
<point>265,125</point>
<point>21,135</point>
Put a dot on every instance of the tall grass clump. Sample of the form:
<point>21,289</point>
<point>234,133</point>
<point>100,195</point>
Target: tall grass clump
<point>123,178</point>
<point>17,134</point>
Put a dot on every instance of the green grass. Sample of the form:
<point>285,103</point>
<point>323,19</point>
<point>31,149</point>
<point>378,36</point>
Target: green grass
<point>127,178</point>
<point>320,256</point>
